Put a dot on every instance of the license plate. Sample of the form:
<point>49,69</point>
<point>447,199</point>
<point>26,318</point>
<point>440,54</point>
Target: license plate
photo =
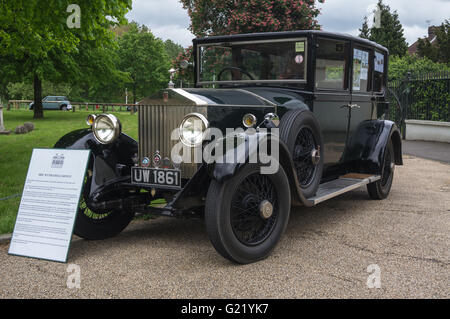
<point>162,178</point>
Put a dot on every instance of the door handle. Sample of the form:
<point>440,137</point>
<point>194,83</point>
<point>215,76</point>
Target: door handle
<point>351,106</point>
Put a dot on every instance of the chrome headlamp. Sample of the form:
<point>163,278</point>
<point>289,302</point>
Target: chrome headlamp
<point>106,128</point>
<point>192,129</point>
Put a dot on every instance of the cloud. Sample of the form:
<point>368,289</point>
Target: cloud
<point>168,20</point>
<point>347,15</point>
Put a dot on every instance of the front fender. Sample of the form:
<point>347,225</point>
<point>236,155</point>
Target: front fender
<point>367,146</point>
<point>108,163</point>
<point>239,149</point>
<point>225,169</point>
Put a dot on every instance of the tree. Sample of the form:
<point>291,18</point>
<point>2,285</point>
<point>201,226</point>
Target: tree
<point>98,76</point>
<point>186,75</point>
<point>221,17</point>
<point>389,33</point>
<point>365,30</point>
<point>144,58</point>
<point>173,49</point>
<point>440,50</point>
<point>40,35</point>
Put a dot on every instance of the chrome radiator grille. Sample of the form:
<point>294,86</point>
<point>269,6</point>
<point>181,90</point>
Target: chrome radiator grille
<point>156,123</point>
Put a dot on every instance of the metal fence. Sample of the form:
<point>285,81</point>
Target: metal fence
<point>79,106</point>
<point>423,97</point>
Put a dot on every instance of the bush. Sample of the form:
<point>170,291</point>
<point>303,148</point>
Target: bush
<point>425,92</point>
<point>417,66</point>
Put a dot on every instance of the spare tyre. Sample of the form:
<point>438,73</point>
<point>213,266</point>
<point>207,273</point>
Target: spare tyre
<point>300,131</point>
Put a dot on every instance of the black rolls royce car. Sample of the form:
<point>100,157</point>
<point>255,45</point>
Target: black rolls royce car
<point>274,120</point>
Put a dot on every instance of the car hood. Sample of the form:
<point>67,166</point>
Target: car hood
<point>264,96</point>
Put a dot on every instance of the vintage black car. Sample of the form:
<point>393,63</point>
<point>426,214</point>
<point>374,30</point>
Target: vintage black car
<point>316,99</point>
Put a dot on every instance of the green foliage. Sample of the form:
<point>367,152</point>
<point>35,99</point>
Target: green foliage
<point>24,90</point>
<point>173,49</point>
<point>390,33</point>
<point>35,36</point>
<point>144,58</point>
<point>440,50</point>
<point>416,66</point>
<point>422,85</point>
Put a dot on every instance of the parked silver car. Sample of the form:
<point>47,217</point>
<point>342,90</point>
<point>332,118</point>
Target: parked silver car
<point>54,103</point>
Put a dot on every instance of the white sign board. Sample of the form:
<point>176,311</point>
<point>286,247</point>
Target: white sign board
<point>49,204</point>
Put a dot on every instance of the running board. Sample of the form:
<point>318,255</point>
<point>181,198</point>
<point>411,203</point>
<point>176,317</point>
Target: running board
<point>342,185</point>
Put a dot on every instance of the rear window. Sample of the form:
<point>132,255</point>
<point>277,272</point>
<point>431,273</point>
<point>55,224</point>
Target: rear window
<point>379,71</point>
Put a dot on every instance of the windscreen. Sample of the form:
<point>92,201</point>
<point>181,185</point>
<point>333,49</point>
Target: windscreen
<point>270,61</point>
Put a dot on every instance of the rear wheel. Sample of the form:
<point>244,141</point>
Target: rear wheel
<point>95,225</point>
<point>247,215</point>
<point>381,188</point>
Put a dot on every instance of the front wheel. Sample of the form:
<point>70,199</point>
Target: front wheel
<point>96,225</point>
<point>381,188</point>
<point>246,215</point>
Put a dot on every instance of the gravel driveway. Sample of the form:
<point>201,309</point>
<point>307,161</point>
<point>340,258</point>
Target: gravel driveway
<point>325,253</point>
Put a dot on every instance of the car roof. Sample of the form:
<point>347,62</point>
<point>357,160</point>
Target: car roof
<point>286,35</point>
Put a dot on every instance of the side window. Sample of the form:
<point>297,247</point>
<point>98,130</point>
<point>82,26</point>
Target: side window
<point>379,67</point>
<point>361,70</point>
<point>331,64</point>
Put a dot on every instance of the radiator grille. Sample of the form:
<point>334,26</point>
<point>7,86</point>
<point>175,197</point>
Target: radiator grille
<point>156,123</point>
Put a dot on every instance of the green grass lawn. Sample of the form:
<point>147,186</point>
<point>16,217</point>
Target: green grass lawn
<point>15,150</point>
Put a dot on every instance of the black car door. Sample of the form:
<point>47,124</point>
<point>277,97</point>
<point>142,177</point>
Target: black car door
<point>362,104</point>
<point>332,96</point>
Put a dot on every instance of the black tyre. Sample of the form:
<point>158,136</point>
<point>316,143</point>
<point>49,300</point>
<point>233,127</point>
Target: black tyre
<point>381,188</point>
<point>99,225</point>
<point>246,215</point>
<point>300,131</point>
<point>64,108</point>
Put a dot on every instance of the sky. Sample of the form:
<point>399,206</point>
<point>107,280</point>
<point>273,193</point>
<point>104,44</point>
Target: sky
<point>168,20</point>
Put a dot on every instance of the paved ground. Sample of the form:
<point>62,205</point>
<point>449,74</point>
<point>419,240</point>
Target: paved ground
<point>325,253</point>
<point>429,150</point>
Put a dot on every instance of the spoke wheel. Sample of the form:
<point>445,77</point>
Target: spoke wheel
<point>247,214</point>
<point>249,226</point>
